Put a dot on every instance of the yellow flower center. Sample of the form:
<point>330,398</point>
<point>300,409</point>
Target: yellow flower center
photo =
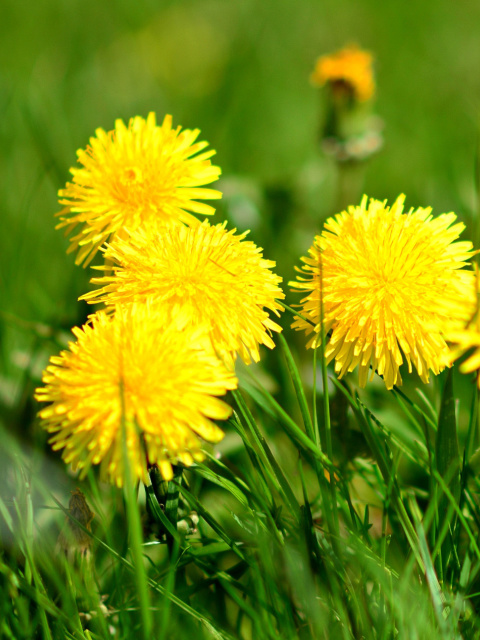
<point>131,176</point>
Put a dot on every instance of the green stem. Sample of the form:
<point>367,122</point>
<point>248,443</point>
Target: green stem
<point>351,177</point>
<point>383,465</point>
<point>135,529</point>
<point>327,426</point>
<point>295,313</point>
<point>297,383</point>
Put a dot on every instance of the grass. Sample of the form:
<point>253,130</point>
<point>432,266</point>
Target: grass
<point>327,511</point>
<point>276,552</point>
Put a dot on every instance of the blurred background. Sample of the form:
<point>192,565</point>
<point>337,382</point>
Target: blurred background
<point>239,71</point>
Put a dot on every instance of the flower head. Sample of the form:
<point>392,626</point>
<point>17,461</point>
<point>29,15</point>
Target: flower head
<point>465,336</point>
<point>380,275</point>
<point>143,371</point>
<point>349,68</point>
<point>211,275</point>
<point>131,176</point>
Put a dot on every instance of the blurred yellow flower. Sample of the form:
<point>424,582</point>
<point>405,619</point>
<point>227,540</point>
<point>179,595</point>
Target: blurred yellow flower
<point>131,176</point>
<point>390,282</point>
<point>351,68</point>
<point>467,337</point>
<point>142,367</point>
<point>208,274</point>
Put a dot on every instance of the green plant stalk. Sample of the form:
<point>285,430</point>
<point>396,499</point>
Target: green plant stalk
<point>327,426</point>
<point>29,518</point>
<point>316,552</point>
<point>472,426</point>
<point>477,430</point>
<point>135,529</point>
<point>152,583</point>
<point>294,312</point>
<point>296,433</point>
<point>437,596</point>
<point>295,376</point>
<point>431,521</point>
<point>248,499</point>
<point>42,601</point>
<point>399,394</point>
<point>461,503</point>
<point>316,433</point>
<point>325,490</point>
<point>263,475</point>
<point>33,573</point>
<point>256,437</point>
<point>210,520</point>
<point>459,513</point>
<point>267,457</point>
<point>395,494</point>
<point>169,586</point>
<point>351,177</point>
<point>447,463</point>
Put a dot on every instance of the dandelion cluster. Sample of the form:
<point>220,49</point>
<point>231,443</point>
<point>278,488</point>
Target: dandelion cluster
<point>386,283</point>
<point>183,298</point>
<point>350,68</point>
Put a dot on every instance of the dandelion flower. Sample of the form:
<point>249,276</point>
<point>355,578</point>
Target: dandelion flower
<point>131,176</point>
<point>350,68</point>
<point>144,370</point>
<point>214,276</point>
<point>466,337</point>
<point>390,282</point>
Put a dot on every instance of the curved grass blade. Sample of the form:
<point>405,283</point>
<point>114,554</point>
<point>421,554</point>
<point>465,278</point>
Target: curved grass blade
<point>447,462</point>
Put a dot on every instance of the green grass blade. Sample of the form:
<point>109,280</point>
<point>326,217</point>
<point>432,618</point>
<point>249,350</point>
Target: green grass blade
<point>447,462</point>
<point>453,501</point>
<point>196,615</point>
<point>472,427</point>
<point>446,445</point>
<point>437,596</point>
<point>297,383</point>
<point>405,401</point>
<point>280,479</point>
<point>297,435</point>
<point>224,483</point>
<point>212,522</point>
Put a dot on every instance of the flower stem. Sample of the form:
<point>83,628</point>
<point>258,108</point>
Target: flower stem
<point>135,529</point>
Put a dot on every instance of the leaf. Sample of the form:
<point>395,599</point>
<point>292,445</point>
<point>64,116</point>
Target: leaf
<point>447,461</point>
<point>446,445</point>
<point>228,485</point>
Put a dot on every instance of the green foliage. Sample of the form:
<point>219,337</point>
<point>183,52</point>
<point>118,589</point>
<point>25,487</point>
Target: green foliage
<point>269,557</point>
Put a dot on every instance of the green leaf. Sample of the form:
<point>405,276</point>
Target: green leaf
<point>447,462</point>
<point>297,383</point>
<point>228,485</point>
<point>446,445</point>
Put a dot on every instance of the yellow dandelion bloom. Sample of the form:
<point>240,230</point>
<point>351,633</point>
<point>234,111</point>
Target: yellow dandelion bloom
<point>350,67</point>
<point>381,274</point>
<point>143,369</point>
<point>213,276</point>
<point>466,337</point>
<point>133,175</point>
